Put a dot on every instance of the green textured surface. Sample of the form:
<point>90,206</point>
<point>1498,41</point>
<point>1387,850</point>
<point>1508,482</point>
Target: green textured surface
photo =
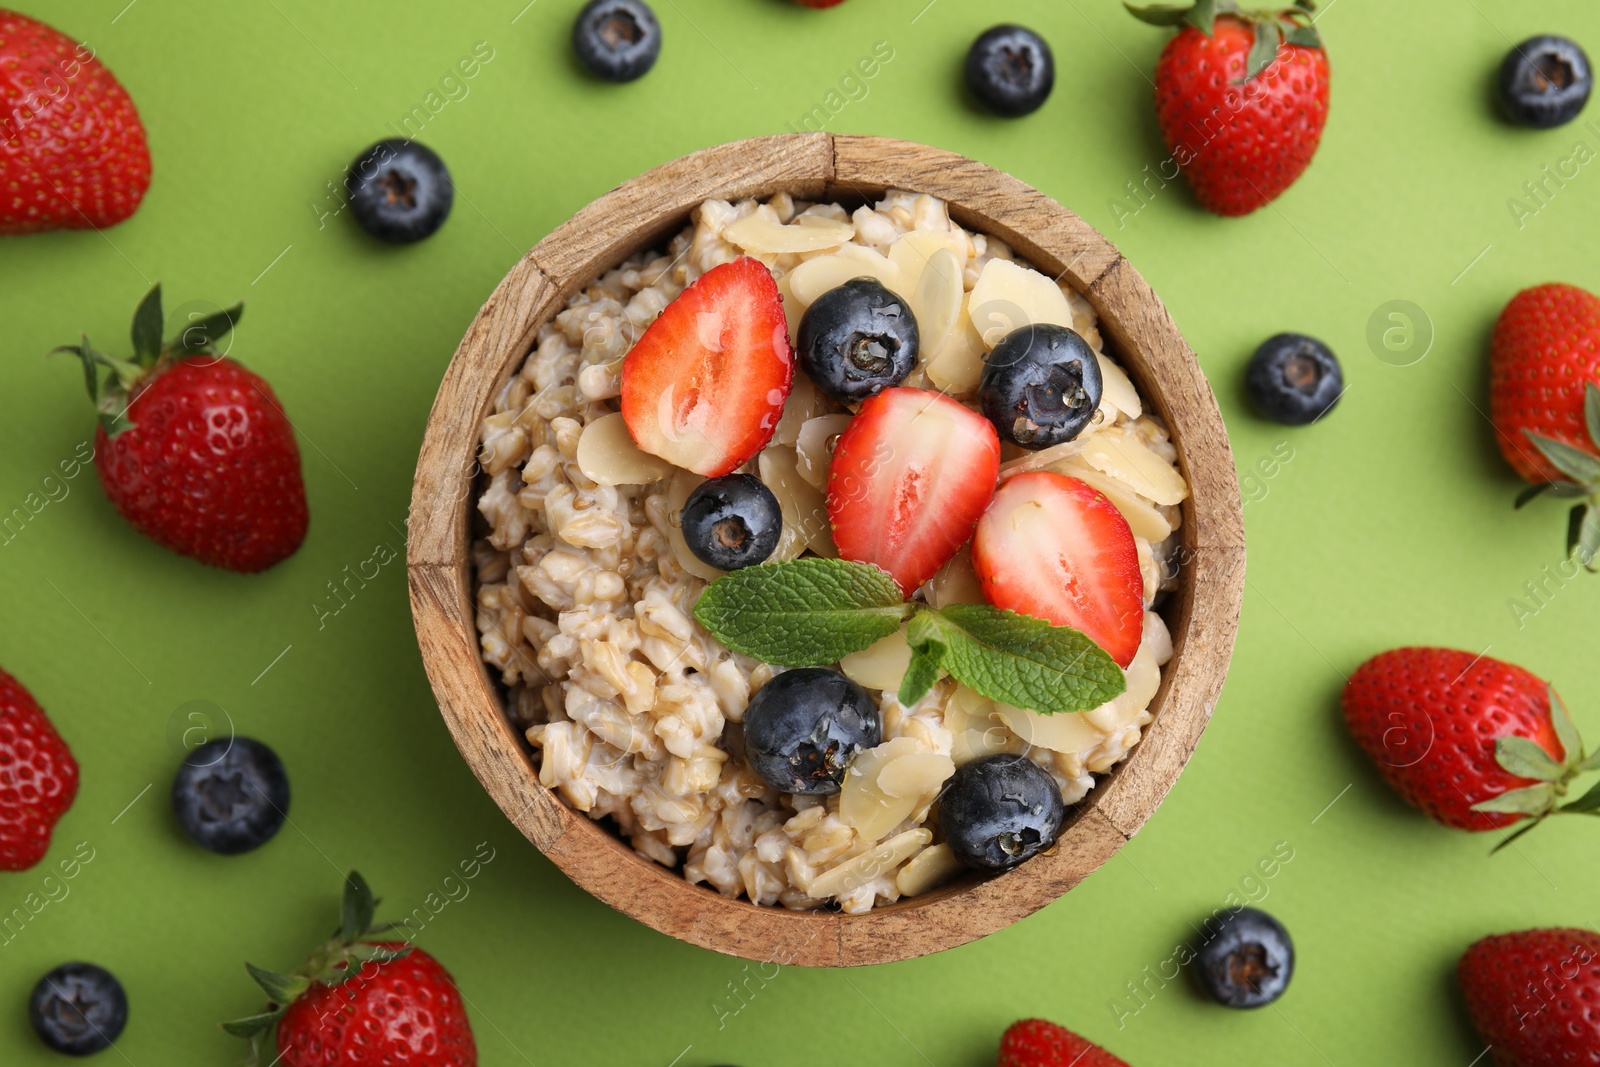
<point>1390,524</point>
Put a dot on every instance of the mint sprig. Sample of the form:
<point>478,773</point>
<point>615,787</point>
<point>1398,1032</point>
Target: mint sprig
<point>804,612</point>
<point>814,612</point>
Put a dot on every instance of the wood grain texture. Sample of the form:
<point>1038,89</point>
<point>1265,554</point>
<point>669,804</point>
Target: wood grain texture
<point>643,213</point>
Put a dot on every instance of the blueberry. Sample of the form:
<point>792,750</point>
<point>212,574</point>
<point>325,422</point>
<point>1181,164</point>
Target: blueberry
<point>618,40</point>
<point>804,727</point>
<point>1545,81</point>
<point>1010,70</point>
<point>732,522</point>
<point>997,811</point>
<point>1294,379</point>
<point>1040,386</point>
<point>1247,959</point>
<point>399,191</point>
<point>231,795</point>
<point>78,1009</point>
<point>858,340</point>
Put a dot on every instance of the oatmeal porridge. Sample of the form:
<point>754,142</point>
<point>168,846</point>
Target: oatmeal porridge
<point>587,586</point>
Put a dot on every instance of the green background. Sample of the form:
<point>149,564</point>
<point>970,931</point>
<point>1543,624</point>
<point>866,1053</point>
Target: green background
<point>1391,523</point>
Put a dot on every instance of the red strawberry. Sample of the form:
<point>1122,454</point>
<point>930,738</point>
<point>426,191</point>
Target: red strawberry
<point>361,1002</point>
<point>1544,363</point>
<point>72,150</point>
<point>1532,996</point>
<point>1054,548</point>
<point>910,475</point>
<point>704,386</point>
<point>38,777</point>
<point>1037,1043</point>
<point>1242,97</point>
<point>201,459</point>
<point>1477,744</point>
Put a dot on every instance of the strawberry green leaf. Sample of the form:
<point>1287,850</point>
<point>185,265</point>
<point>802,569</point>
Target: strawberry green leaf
<point>252,1025</point>
<point>1525,759</point>
<point>1306,5</point>
<point>1306,36</point>
<point>280,988</point>
<point>1532,800</point>
<point>1019,660</point>
<point>203,336</point>
<point>1566,732</point>
<point>1591,411</point>
<point>1575,463</point>
<point>1589,802</point>
<point>1518,832</point>
<point>357,909</point>
<point>1589,535</point>
<point>923,670</point>
<point>804,612</point>
<point>1590,763</point>
<point>1160,14</point>
<point>147,323</point>
<point>1203,16</point>
<point>1268,39</point>
<point>1575,520</point>
<point>1532,493</point>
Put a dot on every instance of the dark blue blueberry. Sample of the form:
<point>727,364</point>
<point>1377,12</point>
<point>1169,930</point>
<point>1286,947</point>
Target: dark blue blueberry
<point>804,727</point>
<point>231,795</point>
<point>1294,379</point>
<point>1545,82</point>
<point>732,522</point>
<point>617,40</point>
<point>997,811</point>
<point>858,340</point>
<point>78,1009</point>
<point>1040,386</point>
<point>399,191</point>
<point>1247,959</point>
<point>1010,70</point>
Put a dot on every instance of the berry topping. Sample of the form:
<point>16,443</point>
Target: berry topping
<point>231,795</point>
<point>1054,548</point>
<point>1010,70</point>
<point>78,1009</point>
<point>858,340</point>
<point>399,191</point>
<point>909,478</point>
<point>1246,961</point>
<point>704,386</point>
<point>1294,379</point>
<point>804,727</point>
<point>1545,82</point>
<point>998,811</point>
<point>617,40</point>
<point>732,522</point>
<point>1040,386</point>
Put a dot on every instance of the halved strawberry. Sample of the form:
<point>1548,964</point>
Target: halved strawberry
<point>909,478</point>
<point>704,387</point>
<point>1054,548</point>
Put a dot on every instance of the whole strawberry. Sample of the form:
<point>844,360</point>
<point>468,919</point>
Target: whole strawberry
<point>38,777</point>
<point>72,150</point>
<point>1531,995</point>
<point>1037,1043</point>
<point>193,449</point>
<point>1242,97</point>
<point>361,1002</point>
<point>1477,744</point>
<point>1544,363</point>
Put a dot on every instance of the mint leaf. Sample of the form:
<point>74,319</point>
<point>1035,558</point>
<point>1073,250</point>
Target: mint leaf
<point>1019,660</point>
<point>803,612</point>
<point>922,671</point>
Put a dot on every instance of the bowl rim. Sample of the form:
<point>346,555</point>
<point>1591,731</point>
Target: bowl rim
<point>642,213</point>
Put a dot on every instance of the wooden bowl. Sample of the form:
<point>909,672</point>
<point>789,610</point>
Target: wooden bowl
<point>644,213</point>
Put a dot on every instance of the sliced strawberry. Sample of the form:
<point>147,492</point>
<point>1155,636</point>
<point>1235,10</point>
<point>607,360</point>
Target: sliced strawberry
<point>909,478</point>
<point>1054,548</point>
<point>705,385</point>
